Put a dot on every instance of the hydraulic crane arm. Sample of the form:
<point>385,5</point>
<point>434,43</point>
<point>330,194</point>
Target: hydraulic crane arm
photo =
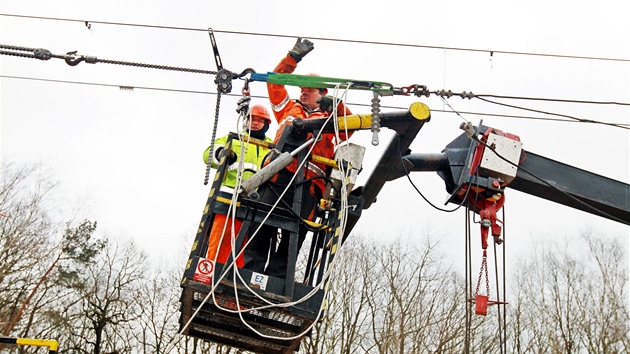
<point>536,175</point>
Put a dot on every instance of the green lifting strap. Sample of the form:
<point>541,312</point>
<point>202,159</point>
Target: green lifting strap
<point>382,88</point>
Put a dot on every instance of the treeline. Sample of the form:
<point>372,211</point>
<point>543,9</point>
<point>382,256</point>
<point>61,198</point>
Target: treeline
<point>60,279</point>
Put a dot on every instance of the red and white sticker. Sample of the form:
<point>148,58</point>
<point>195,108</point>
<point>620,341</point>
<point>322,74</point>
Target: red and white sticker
<point>203,273</point>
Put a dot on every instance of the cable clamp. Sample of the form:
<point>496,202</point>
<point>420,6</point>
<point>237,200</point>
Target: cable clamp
<point>42,54</point>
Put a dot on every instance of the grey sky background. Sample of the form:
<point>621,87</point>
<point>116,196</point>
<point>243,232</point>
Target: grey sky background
<point>133,158</point>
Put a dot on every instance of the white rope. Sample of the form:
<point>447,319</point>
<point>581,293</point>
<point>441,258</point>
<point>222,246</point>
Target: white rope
<point>231,213</point>
<point>329,270</point>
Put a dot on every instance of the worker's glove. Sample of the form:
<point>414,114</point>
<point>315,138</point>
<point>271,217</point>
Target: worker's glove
<point>242,106</point>
<point>231,157</point>
<point>326,103</point>
<point>301,48</point>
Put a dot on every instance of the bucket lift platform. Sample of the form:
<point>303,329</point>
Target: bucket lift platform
<point>217,325</point>
<point>256,329</point>
<point>211,323</point>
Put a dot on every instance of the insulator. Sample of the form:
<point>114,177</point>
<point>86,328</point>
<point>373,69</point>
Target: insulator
<point>375,127</point>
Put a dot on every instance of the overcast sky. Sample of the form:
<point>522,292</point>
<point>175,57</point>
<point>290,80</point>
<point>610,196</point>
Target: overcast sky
<point>135,157</point>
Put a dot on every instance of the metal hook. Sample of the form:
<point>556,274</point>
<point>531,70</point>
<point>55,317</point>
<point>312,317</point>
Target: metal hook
<point>245,72</point>
<point>245,89</point>
<point>72,60</point>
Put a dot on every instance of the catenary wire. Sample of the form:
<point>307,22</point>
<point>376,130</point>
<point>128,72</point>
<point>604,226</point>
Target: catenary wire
<point>548,184</point>
<point>553,99</point>
<point>18,51</point>
<point>127,87</point>
<point>490,51</point>
<point>581,120</point>
<point>72,60</point>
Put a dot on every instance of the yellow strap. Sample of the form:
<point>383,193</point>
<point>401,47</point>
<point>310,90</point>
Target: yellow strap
<point>324,160</point>
<point>258,142</point>
<point>315,224</point>
<point>227,201</point>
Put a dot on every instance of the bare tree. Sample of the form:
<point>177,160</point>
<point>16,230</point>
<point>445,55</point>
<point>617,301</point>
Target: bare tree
<point>32,255</point>
<point>159,304</point>
<point>571,298</point>
<point>605,320</point>
<point>102,320</point>
<point>346,323</point>
<point>396,297</point>
<point>76,246</point>
<point>26,229</point>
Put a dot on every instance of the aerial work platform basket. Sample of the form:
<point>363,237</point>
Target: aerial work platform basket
<point>248,310</point>
<point>214,324</point>
<point>232,306</point>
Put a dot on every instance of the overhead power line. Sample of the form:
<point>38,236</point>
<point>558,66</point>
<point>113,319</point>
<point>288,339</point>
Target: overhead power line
<point>131,88</point>
<point>554,114</point>
<point>443,93</point>
<point>489,51</point>
<point>554,100</point>
<point>73,59</point>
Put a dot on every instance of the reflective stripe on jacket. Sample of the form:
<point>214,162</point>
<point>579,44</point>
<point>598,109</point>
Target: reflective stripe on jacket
<point>283,107</point>
<point>253,158</point>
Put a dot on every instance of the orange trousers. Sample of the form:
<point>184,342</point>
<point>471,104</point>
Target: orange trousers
<point>225,249</point>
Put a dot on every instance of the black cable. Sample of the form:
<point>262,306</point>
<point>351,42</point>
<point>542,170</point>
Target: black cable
<point>123,87</point>
<point>581,120</point>
<point>468,280</point>
<point>475,138</point>
<point>265,97</point>
<point>448,94</point>
<point>551,185</point>
<point>296,215</point>
<point>489,51</point>
<point>553,100</point>
<point>504,286</point>
<point>496,278</point>
<point>326,179</point>
<point>72,59</point>
<point>491,114</point>
<point>402,162</point>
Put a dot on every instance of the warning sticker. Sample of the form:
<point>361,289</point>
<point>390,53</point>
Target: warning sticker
<point>204,271</point>
<point>259,281</point>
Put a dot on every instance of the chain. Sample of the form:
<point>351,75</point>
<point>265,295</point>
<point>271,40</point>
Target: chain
<point>16,54</point>
<point>72,59</point>
<point>14,47</point>
<point>154,66</point>
<point>484,269</point>
<point>35,53</point>
<point>214,135</point>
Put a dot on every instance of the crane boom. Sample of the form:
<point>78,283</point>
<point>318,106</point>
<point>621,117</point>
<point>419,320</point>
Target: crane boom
<point>537,175</point>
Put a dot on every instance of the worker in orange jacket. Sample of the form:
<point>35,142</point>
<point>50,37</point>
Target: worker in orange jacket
<point>313,103</point>
<point>257,125</point>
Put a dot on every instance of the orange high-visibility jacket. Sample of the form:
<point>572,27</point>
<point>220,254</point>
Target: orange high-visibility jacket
<point>283,106</point>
